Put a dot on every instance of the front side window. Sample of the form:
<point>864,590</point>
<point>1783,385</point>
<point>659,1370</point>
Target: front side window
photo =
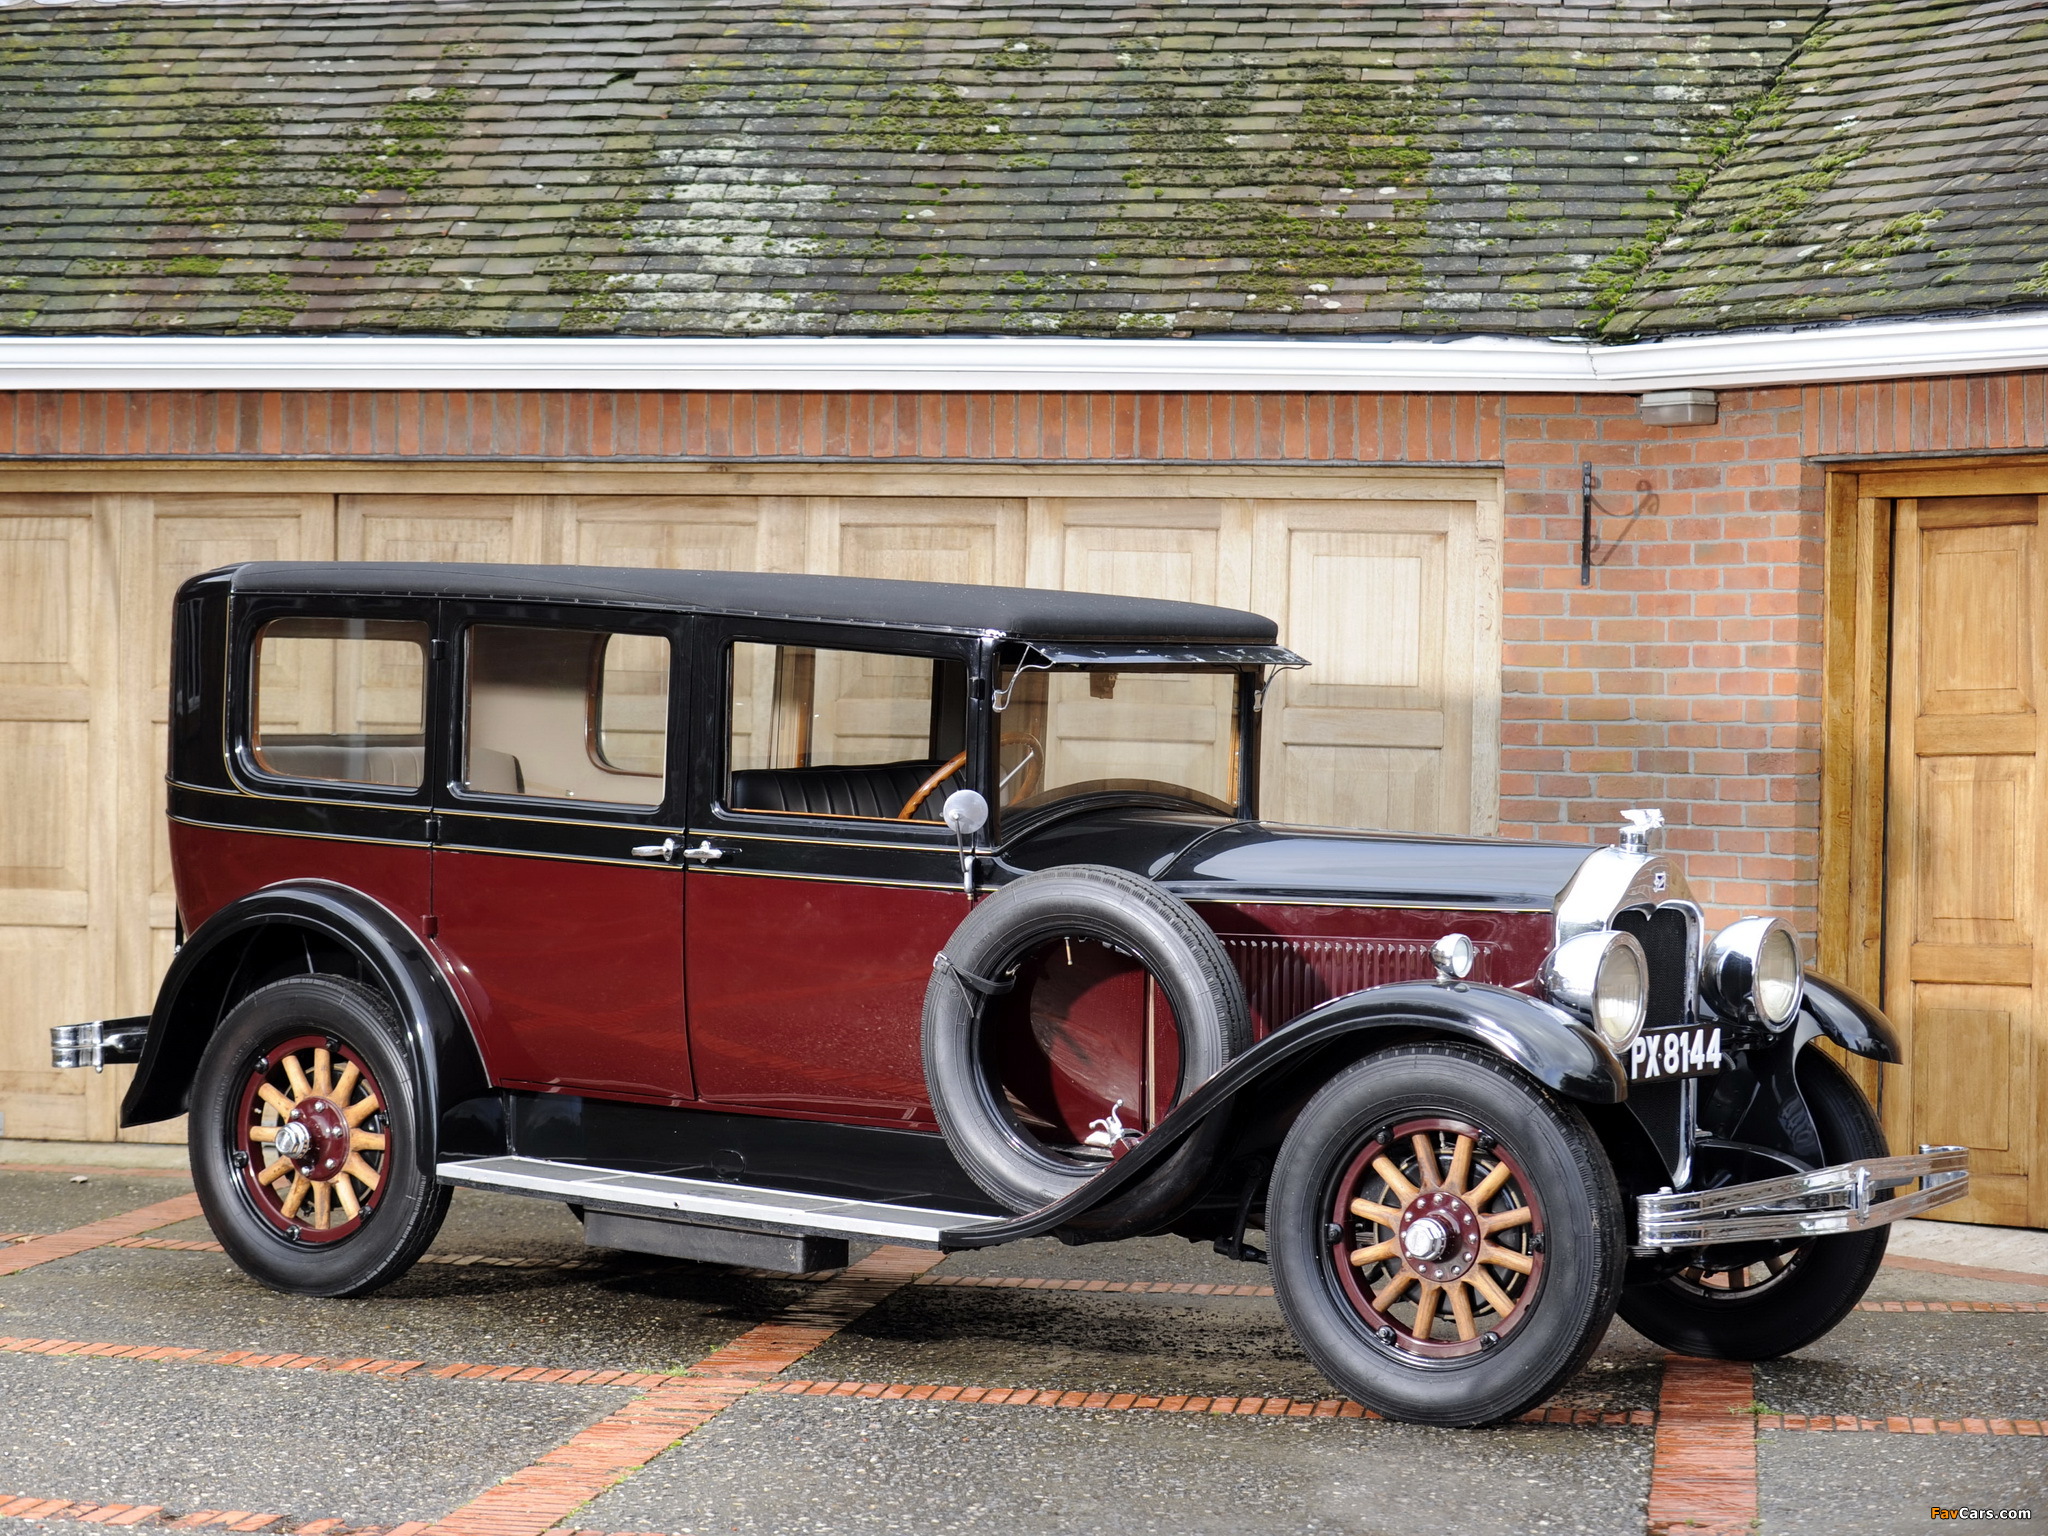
<point>1067,732</point>
<point>565,714</point>
<point>341,700</point>
<point>823,732</point>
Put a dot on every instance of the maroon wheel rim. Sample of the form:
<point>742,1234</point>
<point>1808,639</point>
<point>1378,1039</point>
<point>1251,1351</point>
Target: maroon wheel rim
<point>1437,1237</point>
<point>311,1138</point>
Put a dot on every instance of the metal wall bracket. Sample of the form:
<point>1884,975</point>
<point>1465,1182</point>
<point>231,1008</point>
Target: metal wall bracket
<point>1585,525</point>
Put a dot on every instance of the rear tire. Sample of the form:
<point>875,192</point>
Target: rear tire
<point>1750,1305</point>
<point>353,1210</point>
<point>1458,1302</point>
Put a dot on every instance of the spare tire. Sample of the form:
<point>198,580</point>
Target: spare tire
<point>1060,995</point>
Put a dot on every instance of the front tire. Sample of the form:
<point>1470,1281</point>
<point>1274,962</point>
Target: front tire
<point>306,1127</point>
<point>1446,1238</point>
<point>1757,1303</point>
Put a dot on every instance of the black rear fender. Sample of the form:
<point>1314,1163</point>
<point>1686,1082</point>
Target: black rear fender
<point>303,928</point>
<point>1264,1089</point>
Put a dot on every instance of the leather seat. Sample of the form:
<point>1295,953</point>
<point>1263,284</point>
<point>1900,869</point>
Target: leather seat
<point>876,790</point>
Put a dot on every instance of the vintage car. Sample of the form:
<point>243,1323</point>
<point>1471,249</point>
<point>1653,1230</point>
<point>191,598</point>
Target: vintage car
<point>753,916</point>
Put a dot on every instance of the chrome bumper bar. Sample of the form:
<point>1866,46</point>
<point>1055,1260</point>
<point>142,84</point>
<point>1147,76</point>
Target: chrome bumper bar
<point>95,1044</point>
<point>1843,1198</point>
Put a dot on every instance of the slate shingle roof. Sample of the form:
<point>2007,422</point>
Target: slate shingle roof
<point>1898,165</point>
<point>856,167</point>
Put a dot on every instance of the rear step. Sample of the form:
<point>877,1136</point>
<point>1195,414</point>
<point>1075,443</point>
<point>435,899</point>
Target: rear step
<point>702,1203</point>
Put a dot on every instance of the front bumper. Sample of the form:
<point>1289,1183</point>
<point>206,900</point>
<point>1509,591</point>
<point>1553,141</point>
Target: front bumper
<point>1841,1198</point>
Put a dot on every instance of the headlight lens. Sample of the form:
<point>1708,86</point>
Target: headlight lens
<point>1604,979</point>
<point>1621,994</point>
<point>1752,971</point>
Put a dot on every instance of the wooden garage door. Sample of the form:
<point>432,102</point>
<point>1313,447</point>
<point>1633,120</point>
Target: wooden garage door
<point>1966,964</point>
<point>1388,581</point>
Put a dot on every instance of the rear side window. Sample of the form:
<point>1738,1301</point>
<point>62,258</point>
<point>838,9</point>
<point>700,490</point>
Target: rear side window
<point>566,714</point>
<point>342,700</point>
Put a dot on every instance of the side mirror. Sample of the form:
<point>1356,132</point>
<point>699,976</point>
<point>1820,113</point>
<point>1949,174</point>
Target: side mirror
<point>965,812</point>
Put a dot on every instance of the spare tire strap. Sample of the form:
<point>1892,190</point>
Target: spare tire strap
<point>971,984</point>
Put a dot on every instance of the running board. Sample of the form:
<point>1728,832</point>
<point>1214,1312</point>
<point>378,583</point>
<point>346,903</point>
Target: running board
<point>741,1207</point>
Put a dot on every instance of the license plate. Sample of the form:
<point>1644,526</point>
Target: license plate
<point>1674,1053</point>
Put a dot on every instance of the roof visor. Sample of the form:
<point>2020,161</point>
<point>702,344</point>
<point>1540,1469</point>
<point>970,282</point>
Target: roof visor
<point>1075,653</point>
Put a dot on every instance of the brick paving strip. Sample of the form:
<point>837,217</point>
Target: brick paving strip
<point>1126,1287</point>
<point>536,1498</point>
<point>892,1391</point>
<point>1964,1271</point>
<point>1118,1402</point>
<point>1703,1469</point>
<point>97,1234</point>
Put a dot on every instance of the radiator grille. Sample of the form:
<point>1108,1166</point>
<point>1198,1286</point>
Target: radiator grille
<point>1285,978</point>
<point>1666,936</point>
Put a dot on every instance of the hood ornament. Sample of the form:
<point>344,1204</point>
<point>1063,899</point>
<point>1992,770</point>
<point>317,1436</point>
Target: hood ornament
<point>1636,829</point>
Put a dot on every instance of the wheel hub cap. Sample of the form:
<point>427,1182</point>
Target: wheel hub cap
<point>293,1141</point>
<point>1426,1239</point>
<point>1439,1235</point>
<point>326,1138</point>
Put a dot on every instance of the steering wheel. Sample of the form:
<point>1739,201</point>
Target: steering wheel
<point>1034,760</point>
<point>1031,765</point>
<point>951,766</point>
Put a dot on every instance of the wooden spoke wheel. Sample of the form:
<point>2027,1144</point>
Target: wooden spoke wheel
<point>1728,1279</point>
<point>1447,1239</point>
<point>312,1138</point>
<point>1437,1238</point>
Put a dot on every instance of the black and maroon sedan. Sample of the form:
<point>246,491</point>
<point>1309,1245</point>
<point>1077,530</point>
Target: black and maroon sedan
<point>752,916</point>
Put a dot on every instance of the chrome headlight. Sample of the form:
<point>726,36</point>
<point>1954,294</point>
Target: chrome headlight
<point>1604,979</point>
<point>1752,971</point>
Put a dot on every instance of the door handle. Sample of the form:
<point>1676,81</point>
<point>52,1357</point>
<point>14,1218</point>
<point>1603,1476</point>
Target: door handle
<point>705,852</point>
<point>665,849</point>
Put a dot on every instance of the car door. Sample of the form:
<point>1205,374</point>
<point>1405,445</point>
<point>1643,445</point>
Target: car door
<point>557,899</point>
<point>815,905</point>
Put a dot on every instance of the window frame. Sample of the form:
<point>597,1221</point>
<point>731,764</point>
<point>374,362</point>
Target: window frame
<point>712,766</point>
<point>247,621</point>
<point>460,616</point>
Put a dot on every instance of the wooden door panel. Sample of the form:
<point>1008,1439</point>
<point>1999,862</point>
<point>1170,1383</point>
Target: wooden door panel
<point>1388,605</point>
<point>1976,621</point>
<point>1974,851</point>
<point>1971,1063</point>
<point>1964,966</point>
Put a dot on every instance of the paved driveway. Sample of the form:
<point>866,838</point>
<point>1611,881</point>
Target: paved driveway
<point>518,1383</point>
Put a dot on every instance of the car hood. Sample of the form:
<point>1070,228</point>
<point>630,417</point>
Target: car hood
<point>1214,859</point>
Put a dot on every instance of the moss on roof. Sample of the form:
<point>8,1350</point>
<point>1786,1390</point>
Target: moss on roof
<point>851,167</point>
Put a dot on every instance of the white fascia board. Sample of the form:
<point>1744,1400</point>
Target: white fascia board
<point>1839,353</point>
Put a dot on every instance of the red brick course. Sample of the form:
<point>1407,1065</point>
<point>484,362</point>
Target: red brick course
<point>1703,1471</point>
<point>61,1245</point>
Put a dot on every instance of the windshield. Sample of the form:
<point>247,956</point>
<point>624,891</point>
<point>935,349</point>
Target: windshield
<point>1074,731</point>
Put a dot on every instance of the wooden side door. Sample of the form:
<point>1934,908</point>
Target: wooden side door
<point>1966,967</point>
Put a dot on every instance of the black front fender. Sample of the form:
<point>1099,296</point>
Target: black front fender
<point>1853,1022</point>
<point>208,974</point>
<point>1546,1043</point>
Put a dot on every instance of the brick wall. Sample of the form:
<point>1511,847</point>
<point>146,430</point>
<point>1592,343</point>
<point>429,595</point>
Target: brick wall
<point>1686,675</point>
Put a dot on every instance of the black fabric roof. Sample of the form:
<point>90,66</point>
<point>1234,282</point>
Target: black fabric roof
<point>1024,612</point>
